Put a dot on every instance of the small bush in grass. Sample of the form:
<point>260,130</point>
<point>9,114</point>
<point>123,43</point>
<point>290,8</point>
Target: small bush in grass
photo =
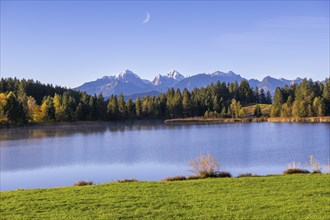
<point>223,174</point>
<point>245,175</point>
<point>295,171</point>
<point>194,177</point>
<point>127,181</point>
<point>83,183</point>
<point>175,178</point>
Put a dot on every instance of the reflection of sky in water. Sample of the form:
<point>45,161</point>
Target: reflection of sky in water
<point>61,155</point>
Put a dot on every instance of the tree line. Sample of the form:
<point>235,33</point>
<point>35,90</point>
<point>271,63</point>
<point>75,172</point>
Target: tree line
<point>28,101</point>
<point>306,100</point>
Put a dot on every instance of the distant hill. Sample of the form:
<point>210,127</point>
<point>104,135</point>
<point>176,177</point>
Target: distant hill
<point>131,85</point>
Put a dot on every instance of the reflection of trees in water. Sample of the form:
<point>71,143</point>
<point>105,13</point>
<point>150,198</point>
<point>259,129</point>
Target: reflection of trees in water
<point>62,130</point>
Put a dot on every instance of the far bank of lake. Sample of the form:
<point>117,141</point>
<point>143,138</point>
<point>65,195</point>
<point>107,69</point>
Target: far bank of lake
<point>325,119</point>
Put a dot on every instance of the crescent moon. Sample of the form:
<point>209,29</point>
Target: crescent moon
<point>146,20</point>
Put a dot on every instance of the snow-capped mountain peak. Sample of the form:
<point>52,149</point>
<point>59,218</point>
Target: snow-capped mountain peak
<point>130,83</point>
<point>217,73</point>
<point>157,80</point>
<point>127,74</point>
<point>175,75</point>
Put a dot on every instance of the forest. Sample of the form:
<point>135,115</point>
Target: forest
<point>28,101</point>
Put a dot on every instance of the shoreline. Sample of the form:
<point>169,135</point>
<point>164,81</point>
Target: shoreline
<point>169,179</point>
<point>203,120</point>
<point>193,120</point>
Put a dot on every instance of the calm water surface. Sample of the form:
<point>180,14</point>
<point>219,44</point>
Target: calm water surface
<point>49,156</point>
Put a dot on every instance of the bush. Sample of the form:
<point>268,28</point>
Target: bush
<point>223,174</point>
<point>127,181</point>
<point>295,171</point>
<point>205,166</point>
<point>194,177</point>
<point>83,183</point>
<point>175,178</point>
<point>245,175</point>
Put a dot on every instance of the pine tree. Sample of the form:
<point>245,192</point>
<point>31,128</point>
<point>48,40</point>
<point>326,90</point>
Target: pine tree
<point>101,107</point>
<point>138,107</point>
<point>186,103</point>
<point>263,99</point>
<point>93,113</point>
<point>278,97</point>
<point>268,98</point>
<point>112,108</point>
<point>122,107</point>
<point>11,108</point>
<point>245,93</point>
<point>130,109</point>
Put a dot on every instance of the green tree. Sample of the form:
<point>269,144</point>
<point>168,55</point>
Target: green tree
<point>286,111</point>
<point>278,97</point>
<point>47,109</point>
<point>101,107</point>
<point>112,108</point>
<point>275,111</point>
<point>93,113</point>
<point>138,107</point>
<point>59,112</point>
<point>216,104</point>
<point>257,111</point>
<point>263,99</point>
<point>122,107</point>
<point>186,103</point>
<point>130,109</point>
<point>245,93</point>
<point>11,109</point>
<point>223,112</point>
<point>268,98</point>
<point>299,109</point>
<point>69,106</point>
<point>318,107</point>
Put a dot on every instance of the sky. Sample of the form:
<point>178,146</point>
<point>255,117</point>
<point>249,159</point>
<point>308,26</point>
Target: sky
<point>68,43</point>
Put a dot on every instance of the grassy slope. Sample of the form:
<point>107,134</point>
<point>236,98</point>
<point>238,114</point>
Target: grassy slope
<point>275,197</point>
<point>265,109</point>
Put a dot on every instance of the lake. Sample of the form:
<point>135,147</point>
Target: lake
<point>50,156</point>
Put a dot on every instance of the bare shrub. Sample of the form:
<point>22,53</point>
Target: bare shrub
<point>316,166</point>
<point>205,166</point>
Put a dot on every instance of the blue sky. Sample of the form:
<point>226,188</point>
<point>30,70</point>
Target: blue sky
<point>70,42</point>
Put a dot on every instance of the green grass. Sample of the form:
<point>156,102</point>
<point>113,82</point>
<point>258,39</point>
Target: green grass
<point>265,109</point>
<point>304,196</point>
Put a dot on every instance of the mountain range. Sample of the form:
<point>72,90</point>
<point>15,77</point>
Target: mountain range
<point>131,85</point>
